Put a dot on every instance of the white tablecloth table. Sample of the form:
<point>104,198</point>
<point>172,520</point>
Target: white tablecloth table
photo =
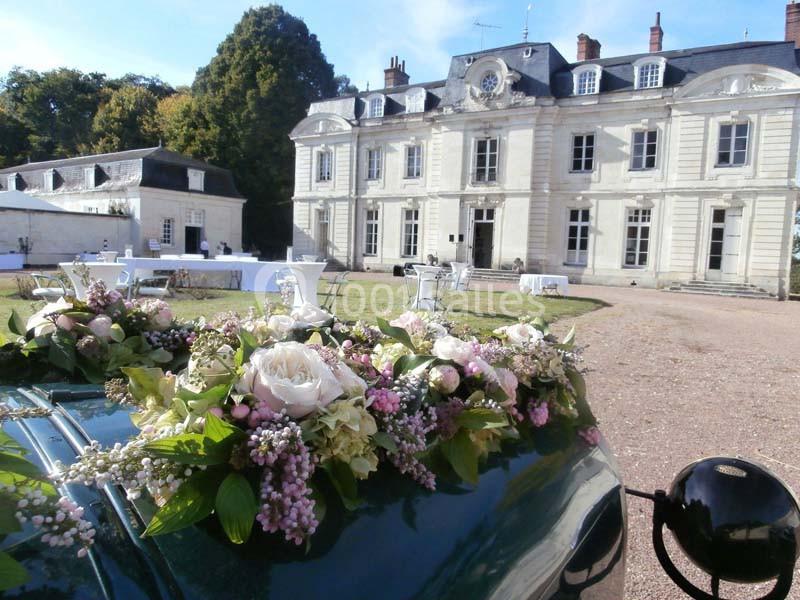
<point>99,271</point>
<point>307,275</point>
<point>426,287</point>
<point>458,272</point>
<point>534,283</point>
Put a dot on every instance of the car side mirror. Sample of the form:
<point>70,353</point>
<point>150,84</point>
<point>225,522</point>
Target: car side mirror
<point>734,519</point>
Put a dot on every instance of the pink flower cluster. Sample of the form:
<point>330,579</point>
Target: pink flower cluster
<point>539,414</point>
<point>384,400</point>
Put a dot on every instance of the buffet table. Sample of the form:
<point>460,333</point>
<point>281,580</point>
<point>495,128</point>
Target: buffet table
<point>535,284</point>
<point>99,271</point>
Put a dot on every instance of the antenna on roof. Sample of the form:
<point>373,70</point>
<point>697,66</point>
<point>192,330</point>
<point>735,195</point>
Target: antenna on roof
<point>484,27</point>
<point>368,86</point>
<point>525,29</point>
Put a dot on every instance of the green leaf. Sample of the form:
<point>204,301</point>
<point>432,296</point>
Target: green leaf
<point>409,362</point>
<point>342,478</point>
<point>8,522</point>
<point>320,505</point>
<point>397,333</point>
<point>12,573</point>
<point>569,339</point>
<point>462,455</point>
<point>481,418</point>
<point>3,339</point>
<point>236,507</point>
<point>9,478</point>
<point>385,441</point>
<point>62,351</point>
<point>9,444</point>
<point>248,344</point>
<point>193,502</point>
<point>218,430</point>
<point>14,463</point>
<point>143,382</point>
<point>15,323</point>
<point>159,355</point>
<point>216,393</point>
<point>117,333</point>
<point>190,449</point>
<point>40,341</point>
<point>585,415</point>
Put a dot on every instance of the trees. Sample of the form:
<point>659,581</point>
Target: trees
<point>127,120</point>
<point>14,146</point>
<point>246,101</point>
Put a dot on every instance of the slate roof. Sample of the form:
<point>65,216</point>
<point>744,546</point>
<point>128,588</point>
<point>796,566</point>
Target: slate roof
<point>145,167</point>
<point>548,74</point>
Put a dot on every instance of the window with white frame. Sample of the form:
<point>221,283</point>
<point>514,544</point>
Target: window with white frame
<point>195,217</point>
<point>415,100</point>
<point>374,159</point>
<point>324,165</point>
<point>648,72</point>
<point>167,232</point>
<point>486,160</point>
<point>413,161</point>
<point>11,182</point>
<point>643,150</point>
<point>732,149</point>
<point>371,232</point>
<point>587,83</point>
<point>49,177</point>
<point>196,179</point>
<point>375,107</point>
<point>582,153</point>
<point>637,237</point>
<point>410,231</point>
<point>90,176</point>
<point>578,237</point>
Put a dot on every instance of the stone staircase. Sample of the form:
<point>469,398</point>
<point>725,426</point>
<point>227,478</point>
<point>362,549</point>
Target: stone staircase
<point>494,275</point>
<point>719,288</point>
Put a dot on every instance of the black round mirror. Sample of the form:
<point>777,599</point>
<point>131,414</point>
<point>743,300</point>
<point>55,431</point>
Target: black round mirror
<point>735,520</point>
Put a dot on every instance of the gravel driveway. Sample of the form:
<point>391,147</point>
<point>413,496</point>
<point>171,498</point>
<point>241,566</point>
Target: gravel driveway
<point>676,377</point>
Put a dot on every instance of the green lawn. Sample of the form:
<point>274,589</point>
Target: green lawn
<point>794,281</point>
<point>481,310</point>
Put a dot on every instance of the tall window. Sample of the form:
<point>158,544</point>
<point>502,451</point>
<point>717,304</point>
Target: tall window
<point>410,231</point>
<point>374,157</point>
<point>167,232</point>
<point>649,75</point>
<point>637,238</point>
<point>578,237</point>
<point>324,165</point>
<point>371,233</point>
<point>376,107</point>
<point>645,146</point>
<point>413,161</point>
<point>583,153</point>
<point>733,144</point>
<point>486,160</point>
<point>587,83</point>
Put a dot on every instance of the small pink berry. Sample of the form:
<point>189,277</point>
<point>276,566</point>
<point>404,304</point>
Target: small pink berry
<point>240,411</point>
<point>216,411</point>
<point>347,344</point>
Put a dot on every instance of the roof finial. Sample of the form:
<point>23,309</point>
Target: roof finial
<point>525,29</point>
<point>746,33</point>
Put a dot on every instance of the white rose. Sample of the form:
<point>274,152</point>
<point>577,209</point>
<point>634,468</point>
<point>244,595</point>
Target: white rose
<point>101,327</point>
<point>452,348</point>
<point>214,370</point>
<point>520,334</point>
<point>410,321</point>
<point>290,376</point>
<point>39,322</point>
<point>351,383</point>
<point>311,315</point>
<point>444,378</point>
<point>280,325</point>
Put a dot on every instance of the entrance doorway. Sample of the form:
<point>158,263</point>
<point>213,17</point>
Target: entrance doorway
<point>322,234</point>
<point>193,236</point>
<point>482,237</point>
<point>723,251</point>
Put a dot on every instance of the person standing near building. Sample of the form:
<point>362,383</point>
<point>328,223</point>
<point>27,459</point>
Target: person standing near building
<point>204,247</point>
<point>227,250</point>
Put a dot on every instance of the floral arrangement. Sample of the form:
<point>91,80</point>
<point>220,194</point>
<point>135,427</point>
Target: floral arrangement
<point>268,406</point>
<point>93,338</point>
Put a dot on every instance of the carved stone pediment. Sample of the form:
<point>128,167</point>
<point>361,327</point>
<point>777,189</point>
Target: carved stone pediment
<point>320,124</point>
<point>740,80</point>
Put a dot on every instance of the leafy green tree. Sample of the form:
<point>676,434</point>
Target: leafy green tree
<point>14,145</point>
<point>56,106</point>
<point>156,85</point>
<point>344,87</point>
<point>246,101</point>
<point>126,121</point>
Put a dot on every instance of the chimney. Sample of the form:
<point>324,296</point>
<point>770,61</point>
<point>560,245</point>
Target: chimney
<point>396,73</point>
<point>588,48</point>
<point>793,23</point>
<point>656,35</point>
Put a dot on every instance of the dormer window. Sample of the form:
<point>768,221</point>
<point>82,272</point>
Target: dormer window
<point>13,182</point>
<point>196,179</point>
<point>90,176</point>
<point>586,80</point>
<point>415,100</point>
<point>375,106</point>
<point>489,82</point>
<point>49,177</point>
<point>648,72</point>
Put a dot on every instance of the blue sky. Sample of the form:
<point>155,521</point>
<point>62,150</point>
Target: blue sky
<point>172,38</point>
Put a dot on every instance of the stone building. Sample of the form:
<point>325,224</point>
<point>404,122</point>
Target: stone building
<point>664,166</point>
<point>163,195</point>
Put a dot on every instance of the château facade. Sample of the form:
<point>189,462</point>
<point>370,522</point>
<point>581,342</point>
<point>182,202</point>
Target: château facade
<point>666,166</point>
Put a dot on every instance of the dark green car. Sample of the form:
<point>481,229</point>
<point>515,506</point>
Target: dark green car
<point>547,521</point>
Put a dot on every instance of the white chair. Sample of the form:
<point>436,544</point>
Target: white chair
<point>49,288</point>
<point>152,286</point>
<point>123,284</point>
<point>462,284</point>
